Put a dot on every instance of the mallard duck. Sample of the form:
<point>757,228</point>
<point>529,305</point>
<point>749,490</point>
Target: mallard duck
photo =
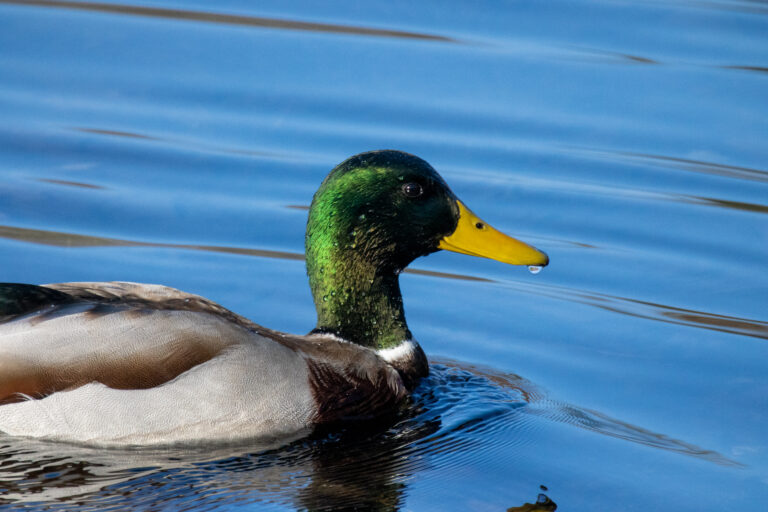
<point>120,363</point>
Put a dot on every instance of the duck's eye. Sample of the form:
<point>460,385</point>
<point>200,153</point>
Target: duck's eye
<point>412,190</point>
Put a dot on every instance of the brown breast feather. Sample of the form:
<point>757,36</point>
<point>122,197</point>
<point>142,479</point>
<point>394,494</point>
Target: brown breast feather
<point>348,382</point>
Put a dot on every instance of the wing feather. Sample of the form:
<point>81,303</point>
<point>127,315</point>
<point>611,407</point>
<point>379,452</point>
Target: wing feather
<point>123,335</point>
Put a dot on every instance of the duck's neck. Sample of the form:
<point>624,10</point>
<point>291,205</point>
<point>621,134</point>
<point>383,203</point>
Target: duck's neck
<point>356,299</point>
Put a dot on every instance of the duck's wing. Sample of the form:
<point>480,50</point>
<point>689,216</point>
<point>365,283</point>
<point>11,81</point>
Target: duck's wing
<point>124,335</point>
<point>193,369</point>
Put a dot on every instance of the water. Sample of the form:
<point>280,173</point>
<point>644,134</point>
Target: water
<point>180,143</point>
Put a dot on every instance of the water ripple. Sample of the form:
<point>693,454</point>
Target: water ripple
<point>114,133</point>
<point>538,403</point>
<point>613,303</point>
<point>229,19</point>
<point>68,183</point>
<point>453,415</point>
<point>195,145</point>
<point>756,69</point>
<point>734,205</point>
<point>650,310</point>
<point>63,239</point>
<point>624,57</point>
<point>686,164</point>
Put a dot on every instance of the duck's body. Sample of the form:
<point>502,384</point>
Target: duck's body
<point>126,363</point>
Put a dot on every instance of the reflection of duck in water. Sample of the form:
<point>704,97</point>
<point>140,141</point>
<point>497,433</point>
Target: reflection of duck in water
<point>122,363</point>
<point>543,504</point>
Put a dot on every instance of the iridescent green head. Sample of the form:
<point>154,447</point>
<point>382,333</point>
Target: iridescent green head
<point>372,215</point>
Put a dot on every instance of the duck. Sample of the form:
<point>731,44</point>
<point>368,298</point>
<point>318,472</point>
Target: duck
<point>122,363</point>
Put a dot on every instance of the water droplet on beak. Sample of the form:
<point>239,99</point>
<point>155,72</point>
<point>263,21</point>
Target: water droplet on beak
<point>533,269</point>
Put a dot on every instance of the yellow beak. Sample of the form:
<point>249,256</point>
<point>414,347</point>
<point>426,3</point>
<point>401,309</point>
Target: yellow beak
<point>475,237</point>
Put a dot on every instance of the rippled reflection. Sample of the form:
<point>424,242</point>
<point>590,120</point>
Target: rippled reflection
<point>543,504</point>
<point>621,305</point>
<point>230,19</point>
<point>196,145</point>
<point>687,164</point>
<point>68,183</point>
<point>758,69</point>
<point>116,133</point>
<point>625,138</point>
<point>736,205</point>
<point>651,310</point>
<point>453,412</point>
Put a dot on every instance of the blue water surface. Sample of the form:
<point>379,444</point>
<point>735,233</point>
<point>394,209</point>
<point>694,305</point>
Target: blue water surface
<point>180,143</point>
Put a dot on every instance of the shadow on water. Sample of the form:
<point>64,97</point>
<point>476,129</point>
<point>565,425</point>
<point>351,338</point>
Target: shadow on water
<point>453,414</point>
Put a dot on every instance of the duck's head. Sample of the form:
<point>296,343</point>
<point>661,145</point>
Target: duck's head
<point>373,215</point>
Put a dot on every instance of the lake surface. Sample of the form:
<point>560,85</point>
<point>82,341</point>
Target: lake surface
<point>180,143</point>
